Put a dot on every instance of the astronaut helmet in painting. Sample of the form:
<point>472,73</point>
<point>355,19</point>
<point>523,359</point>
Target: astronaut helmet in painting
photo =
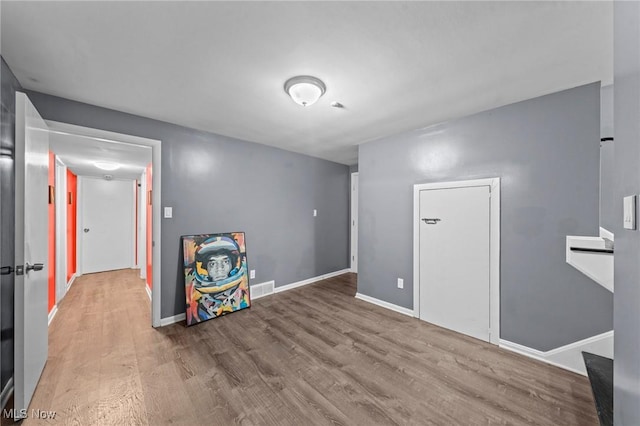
<point>219,256</point>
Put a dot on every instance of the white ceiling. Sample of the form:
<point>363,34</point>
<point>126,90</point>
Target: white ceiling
<point>221,66</point>
<point>79,153</point>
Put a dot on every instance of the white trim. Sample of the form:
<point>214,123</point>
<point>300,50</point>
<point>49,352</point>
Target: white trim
<point>134,224</point>
<point>52,314</point>
<point>142,225</point>
<point>310,280</point>
<point>172,320</point>
<point>79,214</point>
<point>149,292</point>
<point>6,393</point>
<point>400,309</point>
<point>494,243</point>
<point>568,357</point>
<point>353,226</point>
<point>604,233</point>
<point>60,233</point>
<point>73,278</point>
<point>156,153</point>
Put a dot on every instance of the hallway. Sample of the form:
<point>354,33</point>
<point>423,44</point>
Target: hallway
<point>312,355</point>
<point>92,372</point>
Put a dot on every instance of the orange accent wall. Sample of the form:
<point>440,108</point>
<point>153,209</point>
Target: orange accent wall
<point>52,233</point>
<point>149,227</point>
<point>72,211</point>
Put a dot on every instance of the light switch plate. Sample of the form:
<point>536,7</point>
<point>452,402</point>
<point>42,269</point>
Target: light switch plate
<point>252,273</point>
<point>315,212</point>
<point>400,283</point>
<point>629,209</point>
<point>168,212</point>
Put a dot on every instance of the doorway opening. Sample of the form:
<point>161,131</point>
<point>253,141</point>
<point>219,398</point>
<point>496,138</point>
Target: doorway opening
<point>110,219</point>
<point>456,256</point>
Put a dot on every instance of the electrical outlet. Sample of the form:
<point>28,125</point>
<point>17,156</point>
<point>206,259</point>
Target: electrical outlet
<point>252,273</point>
<point>400,283</point>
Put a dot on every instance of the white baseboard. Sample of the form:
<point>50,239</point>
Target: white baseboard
<point>180,317</point>
<point>310,280</point>
<point>148,291</point>
<point>382,303</point>
<point>73,278</point>
<point>172,320</point>
<point>6,393</point>
<point>569,356</point>
<point>53,313</point>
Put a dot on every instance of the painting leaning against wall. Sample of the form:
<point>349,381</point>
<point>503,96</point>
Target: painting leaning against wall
<point>215,275</point>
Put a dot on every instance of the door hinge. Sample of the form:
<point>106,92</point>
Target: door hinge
<point>19,270</point>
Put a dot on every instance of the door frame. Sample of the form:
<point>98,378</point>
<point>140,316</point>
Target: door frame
<point>156,155</point>
<point>142,226</point>
<point>494,246</point>
<point>354,222</point>
<point>61,228</point>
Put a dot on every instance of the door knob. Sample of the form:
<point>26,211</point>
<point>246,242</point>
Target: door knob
<point>431,221</point>
<point>86,230</point>
<point>34,267</point>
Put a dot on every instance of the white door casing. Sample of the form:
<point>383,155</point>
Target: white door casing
<point>156,153</point>
<point>456,259</point>
<point>142,226</point>
<point>31,248</point>
<point>354,222</point>
<point>61,229</point>
<point>107,209</point>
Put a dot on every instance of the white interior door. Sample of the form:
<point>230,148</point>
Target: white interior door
<point>31,251</point>
<point>354,222</point>
<point>108,231</point>
<point>454,259</point>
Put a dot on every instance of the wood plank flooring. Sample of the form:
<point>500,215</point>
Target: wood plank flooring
<point>310,356</point>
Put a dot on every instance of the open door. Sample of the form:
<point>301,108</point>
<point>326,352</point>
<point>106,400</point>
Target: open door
<point>31,251</point>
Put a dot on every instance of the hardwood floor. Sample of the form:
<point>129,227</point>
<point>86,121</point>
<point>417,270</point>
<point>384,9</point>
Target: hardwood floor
<point>313,355</point>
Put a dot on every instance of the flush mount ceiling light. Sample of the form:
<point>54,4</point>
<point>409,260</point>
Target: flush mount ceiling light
<point>304,89</point>
<point>105,165</point>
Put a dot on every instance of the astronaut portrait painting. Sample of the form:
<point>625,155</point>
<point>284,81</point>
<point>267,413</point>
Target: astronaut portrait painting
<point>216,278</point>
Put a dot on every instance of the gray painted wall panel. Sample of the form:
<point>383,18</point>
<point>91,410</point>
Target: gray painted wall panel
<point>218,184</point>
<point>546,150</point>
<point>627,182</point>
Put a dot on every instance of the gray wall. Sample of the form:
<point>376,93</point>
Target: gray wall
<point>9,85</point>
<point>546,152</point>
<point>606,111</point>
<point>607,215</point>
<point>627,182</point>
<point>219,184</point>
